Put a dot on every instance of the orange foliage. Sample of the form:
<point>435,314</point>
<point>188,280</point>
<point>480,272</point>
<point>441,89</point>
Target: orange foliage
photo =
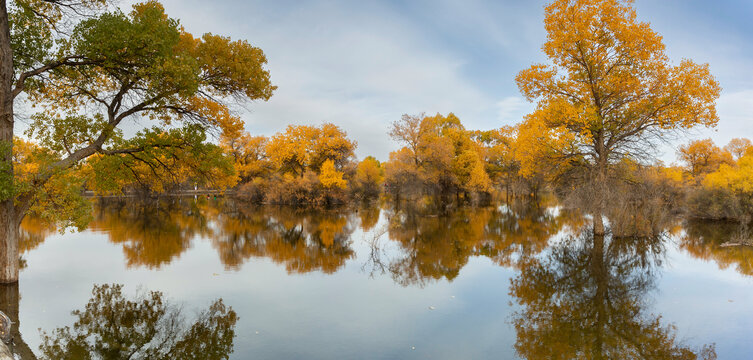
<point>609,87</point>
<point>703,157</point>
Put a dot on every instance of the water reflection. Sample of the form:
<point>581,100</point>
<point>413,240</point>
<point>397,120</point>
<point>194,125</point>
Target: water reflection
<point>587,299</point>
<point>302,240</point>
<point>579,295</point>
<point>32,233</point>
<point>152,233</point>
<point>438,246</point>
<point>523,229</point>
<point>432,245</point>
<point>9,300</point>
<point>720,242</point>
<point>112,326</point>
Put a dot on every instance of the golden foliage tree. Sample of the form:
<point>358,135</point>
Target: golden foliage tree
<point>301,165</point>
<point>609,90</point>
<point>738,147</point>
<point>248,153</point>
<point>303,147</point>
<point>502,165</point>
<point>736,177</point>
<point>369,177</point>
<point>703,157</point>
<point>439,156</point>
<point>330,177</point>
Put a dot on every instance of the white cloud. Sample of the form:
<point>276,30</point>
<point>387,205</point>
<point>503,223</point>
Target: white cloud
<point>360,67</point>
<point>735,115</point>
<point>512,109</point>
<point>363,64</point>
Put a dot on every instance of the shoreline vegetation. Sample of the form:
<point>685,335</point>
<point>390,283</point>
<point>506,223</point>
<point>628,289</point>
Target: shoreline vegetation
<point>476,168</point>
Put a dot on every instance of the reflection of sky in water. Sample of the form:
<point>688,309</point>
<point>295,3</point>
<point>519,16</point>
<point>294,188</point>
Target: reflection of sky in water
<point>695,295</point>
<point>350,315</point>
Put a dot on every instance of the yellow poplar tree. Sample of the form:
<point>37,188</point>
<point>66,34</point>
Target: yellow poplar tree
<point>330,177</point>
<point>610,85</point>
<point>703,156</point>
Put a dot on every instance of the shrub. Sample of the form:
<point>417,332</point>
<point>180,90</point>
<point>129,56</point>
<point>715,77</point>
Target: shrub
<point>715,203</point>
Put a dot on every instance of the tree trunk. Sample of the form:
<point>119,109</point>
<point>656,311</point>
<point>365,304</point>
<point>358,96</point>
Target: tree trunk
<point>8,244</point>
<point>598,224</point>
<point>600,190</point>
<point>8,218</point>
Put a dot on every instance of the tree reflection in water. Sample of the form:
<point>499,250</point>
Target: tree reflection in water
<point>303,240</point>
<point>433,247</point>
<point>32,233</point>
<point>586,299</point>
<point>706,240</point>
<point>581,295</point>
<point>156,232</point>
<point>9,301</point>
<point>147,327</point>
<point>152,232</point>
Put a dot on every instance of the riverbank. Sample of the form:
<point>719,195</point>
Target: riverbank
<point>168,194</point>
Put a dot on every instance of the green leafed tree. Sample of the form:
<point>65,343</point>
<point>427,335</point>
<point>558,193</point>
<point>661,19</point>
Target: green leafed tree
<point>93,70</point>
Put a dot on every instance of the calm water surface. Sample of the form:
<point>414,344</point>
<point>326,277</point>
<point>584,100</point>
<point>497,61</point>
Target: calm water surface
<point>506,282</point>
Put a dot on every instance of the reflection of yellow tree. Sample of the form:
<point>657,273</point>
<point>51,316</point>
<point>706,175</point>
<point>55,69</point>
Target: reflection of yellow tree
<point>434,247</point>
<point>148,327</point>
<point>523,229</point>
<point>586,300</point>
<point>303,240</point>
<point>438,246</point>
<point>369,216</point>
<point>152,233</point>
<point>704,240</point>
<point>32,233</point>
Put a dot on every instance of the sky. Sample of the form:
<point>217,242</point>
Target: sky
<point>362,64</point>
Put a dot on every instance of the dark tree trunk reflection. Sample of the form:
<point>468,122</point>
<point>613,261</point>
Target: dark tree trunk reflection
<point>587,299</point>
<point>9,303</point>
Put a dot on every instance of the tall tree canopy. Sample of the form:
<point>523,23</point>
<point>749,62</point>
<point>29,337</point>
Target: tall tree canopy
<point>609,90</point>
<point>91,71</point>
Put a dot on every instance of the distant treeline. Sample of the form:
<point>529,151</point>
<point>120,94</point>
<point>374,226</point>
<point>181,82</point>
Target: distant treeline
<point>441,160</point>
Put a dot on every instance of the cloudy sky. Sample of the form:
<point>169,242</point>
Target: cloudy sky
<point>362,64</point>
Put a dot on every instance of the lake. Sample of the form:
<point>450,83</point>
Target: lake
<point>377,282</point>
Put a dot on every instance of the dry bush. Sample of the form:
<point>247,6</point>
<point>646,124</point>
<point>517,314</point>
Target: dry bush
<point>716,203</point>
<point>637,200</point>
<point>303,190</point>
<point>253,191</point>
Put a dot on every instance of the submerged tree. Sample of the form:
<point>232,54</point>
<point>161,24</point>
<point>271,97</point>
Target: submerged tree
<point>439,157</point>
<point>92,77</point>
<point>610,91</point>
